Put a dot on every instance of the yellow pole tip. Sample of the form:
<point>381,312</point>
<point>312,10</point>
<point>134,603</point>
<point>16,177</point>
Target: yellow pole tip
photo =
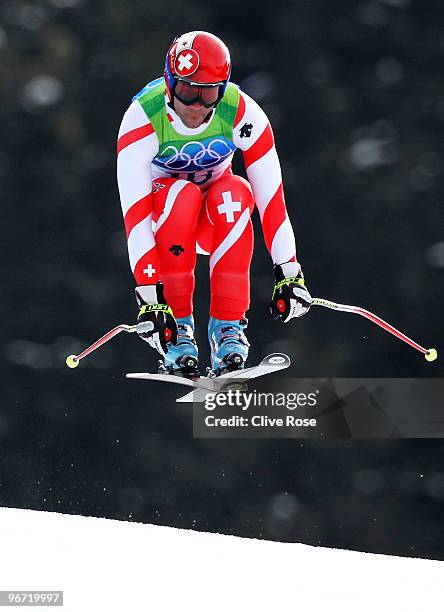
<point>431,354</point>
<point>72,361</point>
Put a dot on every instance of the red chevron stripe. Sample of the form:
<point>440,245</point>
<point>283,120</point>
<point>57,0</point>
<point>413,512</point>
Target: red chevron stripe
<point>137,212</point>
<point>240,111</point>
<point>262,145</point>
<point>274,216</point>
<point>133,136</point>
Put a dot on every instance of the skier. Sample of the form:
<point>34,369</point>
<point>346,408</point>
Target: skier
<point>180,197</point>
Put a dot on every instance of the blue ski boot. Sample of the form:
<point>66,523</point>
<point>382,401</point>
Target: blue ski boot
<point>182,358</point>
<point>228,343</point>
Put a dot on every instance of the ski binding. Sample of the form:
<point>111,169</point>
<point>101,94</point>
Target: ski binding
<point>201,385</point>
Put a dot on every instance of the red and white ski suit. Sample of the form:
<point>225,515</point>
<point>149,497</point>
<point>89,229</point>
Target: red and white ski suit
<point>169,218</point>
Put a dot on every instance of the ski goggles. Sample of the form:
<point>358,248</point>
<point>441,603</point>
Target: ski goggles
<point>207,95</point>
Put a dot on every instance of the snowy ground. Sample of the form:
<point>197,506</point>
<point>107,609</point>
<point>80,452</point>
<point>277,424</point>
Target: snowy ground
<point>106,566</point>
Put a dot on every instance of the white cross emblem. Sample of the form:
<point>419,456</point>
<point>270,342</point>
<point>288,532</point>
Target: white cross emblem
<point>228,207</point>
<point>150,270</point>
<point>184,62</point>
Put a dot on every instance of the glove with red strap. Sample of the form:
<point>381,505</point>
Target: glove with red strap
<point>155,322</point>
<point>290,295</point>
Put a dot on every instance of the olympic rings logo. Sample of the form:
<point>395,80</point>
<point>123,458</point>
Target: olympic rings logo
<point>204,157</point>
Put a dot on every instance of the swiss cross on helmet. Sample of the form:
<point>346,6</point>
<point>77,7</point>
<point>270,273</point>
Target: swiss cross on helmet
<point>201,62</point>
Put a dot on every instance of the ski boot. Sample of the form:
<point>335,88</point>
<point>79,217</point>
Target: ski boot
<point>182,358</point>
<point>229,345</point>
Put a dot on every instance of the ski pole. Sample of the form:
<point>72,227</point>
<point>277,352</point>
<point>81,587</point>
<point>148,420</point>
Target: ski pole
<point>430,354</point>
<point>72,361</point>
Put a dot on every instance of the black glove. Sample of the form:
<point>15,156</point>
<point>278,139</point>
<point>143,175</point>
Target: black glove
<point>155,322</point>
<point>290,296</point>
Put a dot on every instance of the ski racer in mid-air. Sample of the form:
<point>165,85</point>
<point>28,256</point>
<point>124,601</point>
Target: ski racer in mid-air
<point>180,197</point>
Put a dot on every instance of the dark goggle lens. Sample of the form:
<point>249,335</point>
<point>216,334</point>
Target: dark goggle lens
<point>189,94</point>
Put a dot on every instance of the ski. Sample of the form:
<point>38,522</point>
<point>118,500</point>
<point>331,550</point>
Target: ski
<point>203,384</point>
<point>269,365</point>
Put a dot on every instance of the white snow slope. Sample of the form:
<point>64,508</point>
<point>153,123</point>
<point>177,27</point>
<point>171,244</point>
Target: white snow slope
<point>106,566</point>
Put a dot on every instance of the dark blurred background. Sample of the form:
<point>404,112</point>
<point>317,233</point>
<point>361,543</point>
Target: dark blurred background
<point>355,93</point>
